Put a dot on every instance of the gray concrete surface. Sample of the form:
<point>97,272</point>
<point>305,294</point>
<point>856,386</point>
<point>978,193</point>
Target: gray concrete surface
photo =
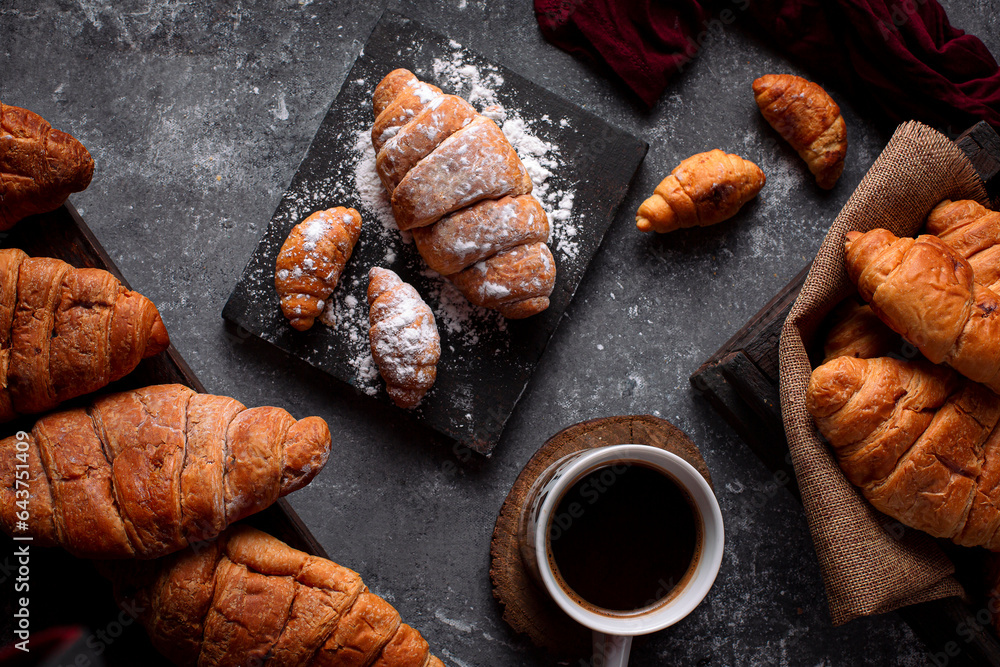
<point>197,114</point>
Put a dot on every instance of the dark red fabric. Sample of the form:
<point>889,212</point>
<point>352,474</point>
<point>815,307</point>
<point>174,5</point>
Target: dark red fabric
<point>644,41</point>
<point>904,57</point>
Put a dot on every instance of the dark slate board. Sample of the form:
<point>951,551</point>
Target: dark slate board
<point>486,362</point>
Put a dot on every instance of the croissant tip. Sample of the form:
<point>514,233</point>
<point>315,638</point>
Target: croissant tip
<point>643,224</point>
<point>302,323</point>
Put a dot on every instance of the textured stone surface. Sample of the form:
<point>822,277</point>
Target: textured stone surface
<point>197,114</point>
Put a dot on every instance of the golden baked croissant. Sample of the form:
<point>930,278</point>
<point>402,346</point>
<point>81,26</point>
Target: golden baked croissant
<point>39,166</point>
<point>311,260</point>
<point>457,183</point>
<point>249,599</point>
<point>143,473</point>
<point>404,338</point>
<point>489,168</point>
<point>702,190</point>
<point>808,119</point>
<point>66,332</point>
<point>974,232</point>
<point>925,291</point>
<point>857,331</point>
<point>919,440</point>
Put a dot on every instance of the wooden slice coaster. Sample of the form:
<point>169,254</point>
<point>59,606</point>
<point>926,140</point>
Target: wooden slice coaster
<point>528,607</point>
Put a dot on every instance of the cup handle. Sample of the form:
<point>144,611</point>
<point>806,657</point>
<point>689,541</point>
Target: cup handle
<point>611,650</point>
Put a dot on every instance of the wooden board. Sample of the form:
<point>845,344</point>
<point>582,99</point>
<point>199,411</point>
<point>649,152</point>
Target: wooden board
<point>65,590</point>
<point>740,381</point>
<point>486,362</point>
<point>526,606</point>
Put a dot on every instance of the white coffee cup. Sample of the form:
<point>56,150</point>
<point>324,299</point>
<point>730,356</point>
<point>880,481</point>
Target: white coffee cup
<point>613,630</point>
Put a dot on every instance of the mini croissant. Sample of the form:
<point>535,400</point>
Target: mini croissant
<point>65,332</point>
<point>39,166</point>
<point>143,473</point>
<point>404,338</point>
<point>311,260</point>
<point>807,118</point>
<point>925,291</point>
<point>702,190</point>
<point>250,599</point>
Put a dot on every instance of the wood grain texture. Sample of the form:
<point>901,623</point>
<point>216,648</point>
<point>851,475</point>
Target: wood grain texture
<point>981,144</point>
<point>526,606</point>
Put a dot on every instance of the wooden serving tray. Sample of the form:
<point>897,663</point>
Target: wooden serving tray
<point>65,590</point>
<point>486,362</point>
<point>740,381</point>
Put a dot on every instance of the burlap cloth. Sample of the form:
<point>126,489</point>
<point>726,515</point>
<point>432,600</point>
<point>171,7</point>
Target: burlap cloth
<point>870,563</point>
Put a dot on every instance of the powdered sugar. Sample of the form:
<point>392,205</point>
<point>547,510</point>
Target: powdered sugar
<point>315,228</point>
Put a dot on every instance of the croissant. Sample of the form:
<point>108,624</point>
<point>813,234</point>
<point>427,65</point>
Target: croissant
<point>311,260</point>
<point>920,441</point>
<point>249,599</point>
<point>480,231</point>
<point>459,186</point>
<point>415,140</point>
<point>39,166</point>
<point>515,282</point>
<point>974,232</point>
<point>409,97</point>
<point>143,473</point>
<point>489,166</point>
<point>404,338</point>
<point>66,332</point>
<point>702,190</point>
<point>808,119</point>
<point>857,331</point>
<point>926,292</point>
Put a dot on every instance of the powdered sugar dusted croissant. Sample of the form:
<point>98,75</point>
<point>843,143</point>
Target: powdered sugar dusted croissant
<point>480,231</point>
<point>457,183</point>
<point>515,282</point>
<point>311,260</point>
<point>409,97</point>
<point>404,337</point>
<point>488,166</point>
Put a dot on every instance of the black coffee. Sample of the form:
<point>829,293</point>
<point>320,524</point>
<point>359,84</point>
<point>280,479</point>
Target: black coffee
<point>624,536</point>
